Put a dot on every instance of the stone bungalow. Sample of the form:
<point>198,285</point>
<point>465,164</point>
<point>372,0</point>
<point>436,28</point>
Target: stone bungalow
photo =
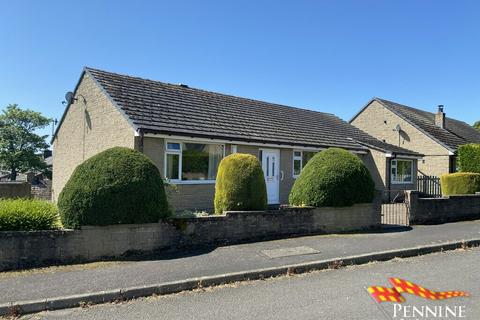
<point>433,134</point>
<point>186,132</point>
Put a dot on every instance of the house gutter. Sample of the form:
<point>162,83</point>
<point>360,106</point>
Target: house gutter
<point>141,136</point>
<point>390,156</point>
<point>237,140</point>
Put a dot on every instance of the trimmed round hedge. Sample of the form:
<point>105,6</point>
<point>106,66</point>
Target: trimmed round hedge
<point>460,183</point>
<point>118,185</point>
<point>333,178</point>
<point>240,184</point>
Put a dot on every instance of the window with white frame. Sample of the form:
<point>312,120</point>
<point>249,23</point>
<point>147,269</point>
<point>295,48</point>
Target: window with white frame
<point>300,159</point>
<point>192,161</point>
<point>402,171</point>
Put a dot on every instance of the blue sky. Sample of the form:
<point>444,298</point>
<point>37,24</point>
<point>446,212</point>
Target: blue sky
<point>331,56</point>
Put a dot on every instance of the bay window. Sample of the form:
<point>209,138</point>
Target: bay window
<point>300,159</point>
<point>402,171</point>
<point>192,161</point>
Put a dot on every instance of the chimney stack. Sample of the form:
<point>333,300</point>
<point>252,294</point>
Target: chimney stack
<point>440,117</point>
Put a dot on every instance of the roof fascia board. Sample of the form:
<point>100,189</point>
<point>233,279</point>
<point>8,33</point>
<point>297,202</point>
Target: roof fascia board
<point>239,142</point>
<point>389,153</point>
<point>86,71</point>
<point>400,155</point>
<point>369,146</point>
<point>415,126</point>
<point>361,110</point>
<point>119,109</point>
<point>67,108</point>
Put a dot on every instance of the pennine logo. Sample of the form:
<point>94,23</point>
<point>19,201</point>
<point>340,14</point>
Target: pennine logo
<point>402,311</point>
<point>428,312</point>
<point>383,294</point>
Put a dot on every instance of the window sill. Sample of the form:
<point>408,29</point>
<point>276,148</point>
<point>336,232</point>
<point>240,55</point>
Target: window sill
<point>397,182</point>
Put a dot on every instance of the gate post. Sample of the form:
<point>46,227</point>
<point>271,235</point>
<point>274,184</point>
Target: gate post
<point>411,201</point>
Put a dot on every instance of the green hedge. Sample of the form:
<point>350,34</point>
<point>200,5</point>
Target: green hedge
<point>119,185</point>
<point>460,183</point>
<point>240,184</point>
<point>469,157</point>
<point>28,214</point>
<point>334,177</point>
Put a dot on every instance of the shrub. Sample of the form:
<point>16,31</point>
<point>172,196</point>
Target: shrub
<point>334,177</point>
<point>240,184</point>
<point>119,185</point>
<point>460,183</point>
<point>469,157</point>
<point>28,214</point>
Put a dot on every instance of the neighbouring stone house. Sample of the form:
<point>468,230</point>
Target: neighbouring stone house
<point>433,134</point>
<point>187,131</point>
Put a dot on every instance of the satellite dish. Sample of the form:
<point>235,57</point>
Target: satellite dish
<point>398,128</point>
<point>69,97</point>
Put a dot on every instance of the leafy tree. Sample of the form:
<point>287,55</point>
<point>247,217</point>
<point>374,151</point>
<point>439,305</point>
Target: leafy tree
<point>19,144</point>
<point>476,125</point>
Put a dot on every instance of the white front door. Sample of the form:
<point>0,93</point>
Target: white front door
<point>271,171</point>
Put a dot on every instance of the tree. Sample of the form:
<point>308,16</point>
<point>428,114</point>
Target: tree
<point>19,144</point>
<point>476,125</point>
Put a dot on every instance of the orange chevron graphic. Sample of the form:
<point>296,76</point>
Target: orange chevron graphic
<point>406,286</point>
<point>383,294</point>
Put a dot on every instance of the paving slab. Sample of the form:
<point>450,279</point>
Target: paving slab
<point>289,251</point>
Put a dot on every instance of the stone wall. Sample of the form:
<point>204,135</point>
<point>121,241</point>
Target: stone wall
<point>15,190</point>
<point>200,196</point>
<point>42,190</point>
<point>440,210</point>
<point>184,196</point>
<point>26,249</point>
<point>376,162</point>
<point>91,125</point>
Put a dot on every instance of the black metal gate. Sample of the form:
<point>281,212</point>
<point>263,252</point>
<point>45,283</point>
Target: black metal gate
<point>429,185</point>
<point>395,211</point>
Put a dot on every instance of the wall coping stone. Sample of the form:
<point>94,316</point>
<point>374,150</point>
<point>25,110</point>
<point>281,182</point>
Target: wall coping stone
<point>14,182</point>
<point>281,211</point>
<point>460,196</point>
<point>33,233</point>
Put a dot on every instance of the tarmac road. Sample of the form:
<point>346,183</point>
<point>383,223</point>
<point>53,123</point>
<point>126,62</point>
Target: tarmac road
<point>330,294</point>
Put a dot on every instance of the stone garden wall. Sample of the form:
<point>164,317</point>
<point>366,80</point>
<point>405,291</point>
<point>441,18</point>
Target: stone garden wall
<point>15,190</point>
<point>34,248</point>
<point>440,210</point>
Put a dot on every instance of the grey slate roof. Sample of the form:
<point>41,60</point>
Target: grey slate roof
<point>455,133</point>
<point>157,107</point>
